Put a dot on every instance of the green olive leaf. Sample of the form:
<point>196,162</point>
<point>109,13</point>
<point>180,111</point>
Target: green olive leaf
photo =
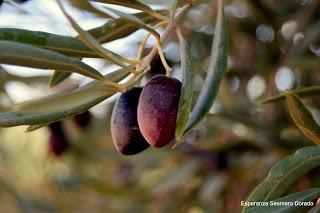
<point>315,209</point>
<point>128,17</point>
<point>304,196</point>
<point>91,42</point>
<point>3,76</point>
<point>283,174</point>
<point>185,103</point>
<point>112,30</point>
<point>28,79</point>
<point>32,128</point>
<point>56,107</point>
<point>114,76</point>
<point>84,5</point>
<point>303,92</point>
<point>119,28</point>
<point>73,103</point>
<point>63,44</point>
<point>174,6</point>
<point>164,3</point>
<point>58,77</point>
<point>14,53</point>
<point>25,79</point>
<point>134,4</point>
<point>217,68</point>
<point>302,117</point>
<point>131,19</point>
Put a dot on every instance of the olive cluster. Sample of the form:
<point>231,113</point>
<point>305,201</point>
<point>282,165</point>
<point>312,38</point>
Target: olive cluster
<point>144,117</point>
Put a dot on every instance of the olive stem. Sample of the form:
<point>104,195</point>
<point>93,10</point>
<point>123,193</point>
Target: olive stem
<point>159,16</point>
<point>145,39</point>
<point>145,66</point>
<point>167,31</point>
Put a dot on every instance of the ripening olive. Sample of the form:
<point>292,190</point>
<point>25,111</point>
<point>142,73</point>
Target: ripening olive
<point>125,131</point>
<point>158,109</point>
<point>83,120</point>
<point>58,142</point>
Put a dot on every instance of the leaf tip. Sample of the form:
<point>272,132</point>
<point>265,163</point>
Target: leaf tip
<point>177,143</point>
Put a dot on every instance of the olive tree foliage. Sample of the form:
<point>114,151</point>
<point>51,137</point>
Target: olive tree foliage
<point>49,51</point>
<point>231,39</point>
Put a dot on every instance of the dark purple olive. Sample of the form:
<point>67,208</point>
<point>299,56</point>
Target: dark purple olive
<point>158,109</point>
<point>125,131</point>
<point>58,143</point>
<point>83,120</point>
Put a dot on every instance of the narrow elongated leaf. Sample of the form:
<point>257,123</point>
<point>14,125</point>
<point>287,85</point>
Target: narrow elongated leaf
<point>3,75</point>
<point>303,117</point>
<point>32,128</point>
<point>185,103</point>
<point>217,68</point>
<point>27,79</point>
<point>315,209</point>
<point>174,8</point>
<point>119,28</point>
<point>284,174</point>
<point>303,92</point>
<point>84,5</point>
<point>114,76</point>
<point>125,16</point>
<point>292,202</point>
<point>112,30</point>
<point>134,4</point>
<point>91,42</point>
<point>79,102</point>
<point>164,3</point>
<point>25,55</point>
<point>58,77</point>
<point>133,20</point>
<point>56,107</point>
<point>63,44</point>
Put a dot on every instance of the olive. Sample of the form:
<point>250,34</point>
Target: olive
<point>58,142</point>
<point>83,120</point>
<point>158,109</point>
<point>125,132</point>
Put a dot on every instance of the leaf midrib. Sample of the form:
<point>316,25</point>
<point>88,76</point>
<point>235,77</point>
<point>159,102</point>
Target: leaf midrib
<point>286,175</point>
<point>42,60</point>
<point>61,49</point>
